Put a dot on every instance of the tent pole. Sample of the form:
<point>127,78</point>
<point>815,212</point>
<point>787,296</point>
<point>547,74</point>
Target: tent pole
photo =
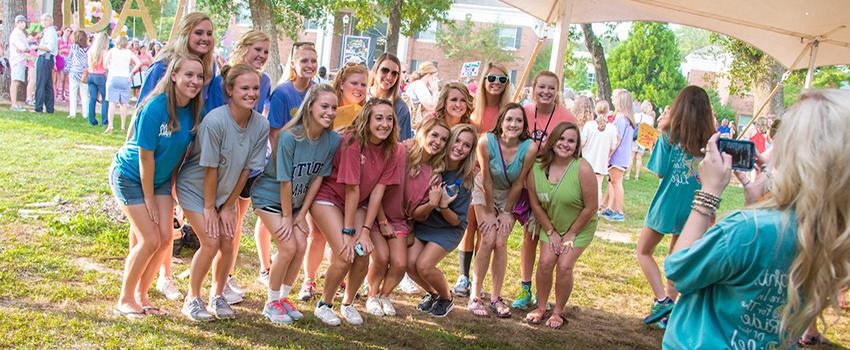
<point>561,42</point>
<point>181,6</point>
<point>812,58</point>
<point>775,90</point>
<point>521,82</point>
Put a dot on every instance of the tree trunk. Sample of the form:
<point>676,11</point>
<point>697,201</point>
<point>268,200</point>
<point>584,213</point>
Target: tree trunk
<point>263,19</point>
<point>600,65</point>
<point>763,85</point>
<point>10,9</point>
<point>394,27</point>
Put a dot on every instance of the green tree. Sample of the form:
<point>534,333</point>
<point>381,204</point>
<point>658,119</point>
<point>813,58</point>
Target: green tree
<point>721,111</point>
<point>825,77</point>
<point>403,16</point>
<point>691,39</point>
<point>647,63</point>
<point>602,88</point>
<point>469,41</point>
<point>752,71</point>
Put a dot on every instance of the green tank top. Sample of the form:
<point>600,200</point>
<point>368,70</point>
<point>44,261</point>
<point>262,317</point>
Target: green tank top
<point>562,203</point>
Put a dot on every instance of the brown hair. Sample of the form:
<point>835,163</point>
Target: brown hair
<point>359,129</point>
<point>690,123</point>
<point>344,73</point>
<point>497,130</point>
<point>547,154</point>
<point>230,73</point>
<point>81,39</point>
<point>440,109</point>
<point>373,77</point>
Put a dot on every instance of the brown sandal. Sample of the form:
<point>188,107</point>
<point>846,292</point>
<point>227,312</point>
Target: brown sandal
<point>535,316</point>
<point>500,308</point>
<point>557,317</point>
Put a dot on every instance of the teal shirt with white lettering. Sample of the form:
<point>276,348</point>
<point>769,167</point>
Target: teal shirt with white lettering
<point>677,170</point>
<point>733,282</point>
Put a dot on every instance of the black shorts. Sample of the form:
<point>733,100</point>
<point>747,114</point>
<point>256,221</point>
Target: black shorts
<point>249,185</point>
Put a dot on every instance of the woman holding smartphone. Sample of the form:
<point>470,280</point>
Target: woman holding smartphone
<point>348,203</point>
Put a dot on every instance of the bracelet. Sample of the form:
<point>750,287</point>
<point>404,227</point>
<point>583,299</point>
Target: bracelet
<point>446,207</point>
<point>348,231</point>
<point>703,210</point>
<point>367,227</point>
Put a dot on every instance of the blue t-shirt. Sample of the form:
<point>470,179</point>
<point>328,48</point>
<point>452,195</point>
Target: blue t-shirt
<point>284,103</point>
<point>150,132</point>
<point>150,78</point>
<point>296,161</point>
<point>733,282</point>
<point>724,129</point>
<point>436,224</point>
<point>677,169</point>
<point>514,168</point>
<point>217,98</point>
<point>403,115</point>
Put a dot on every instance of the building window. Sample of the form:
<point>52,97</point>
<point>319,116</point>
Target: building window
<point>509,37</point>
<point>413,65</point>
<point>311,24</point>
<point>429,34</point>
<point>513,76</point>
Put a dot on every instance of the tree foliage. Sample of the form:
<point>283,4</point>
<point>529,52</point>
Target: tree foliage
<point>690,39</point>
<point>721,111</point>
<point>647,63</point>
<point>825,77</point>
<point>416,15</point>
<point>469,41</point>
<point>752,71</point>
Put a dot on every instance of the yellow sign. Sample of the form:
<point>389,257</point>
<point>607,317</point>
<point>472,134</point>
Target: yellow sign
<point>103,22</point>
<point>647,135</point>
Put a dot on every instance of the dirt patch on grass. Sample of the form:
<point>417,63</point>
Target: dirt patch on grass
<point>98,148</point>
<point>614,236</point>
<point>88,264</point>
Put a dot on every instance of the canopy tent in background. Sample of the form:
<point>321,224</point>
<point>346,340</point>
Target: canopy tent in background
<point>784,29</point>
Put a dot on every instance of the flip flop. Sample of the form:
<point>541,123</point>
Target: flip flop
<point>807,340</point>
<point>153,310</point>
<point>563,321</point>
<point>130,315</point>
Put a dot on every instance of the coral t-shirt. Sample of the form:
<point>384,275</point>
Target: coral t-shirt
<point>401,201</point>
<point>540,124</point>
<point>366,167</point>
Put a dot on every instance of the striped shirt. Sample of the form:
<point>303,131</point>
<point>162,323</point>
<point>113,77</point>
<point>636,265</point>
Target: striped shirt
<point>78,61</point>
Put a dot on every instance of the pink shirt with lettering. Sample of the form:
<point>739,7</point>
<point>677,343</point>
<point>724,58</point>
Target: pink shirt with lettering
<point>365,167</point>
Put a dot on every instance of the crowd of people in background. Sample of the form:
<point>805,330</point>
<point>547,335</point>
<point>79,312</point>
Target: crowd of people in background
<point>392,173</point>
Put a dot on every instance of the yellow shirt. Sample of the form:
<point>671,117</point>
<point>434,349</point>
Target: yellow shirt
<point>345,115</point>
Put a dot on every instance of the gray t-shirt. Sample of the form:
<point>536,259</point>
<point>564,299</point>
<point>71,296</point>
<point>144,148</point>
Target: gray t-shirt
<point>222,144</point>
<point>296,161</point>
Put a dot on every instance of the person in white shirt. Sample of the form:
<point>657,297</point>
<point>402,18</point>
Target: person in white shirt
<point>17,60</point>
<point>645,116</point>
<point>48,48</point>
<point>118,61</point>
<point>598,139</point>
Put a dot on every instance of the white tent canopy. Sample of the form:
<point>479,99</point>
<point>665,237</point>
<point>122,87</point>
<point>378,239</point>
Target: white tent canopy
<point>780,28</point>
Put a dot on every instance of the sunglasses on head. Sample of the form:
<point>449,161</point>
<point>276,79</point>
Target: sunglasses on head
<point>299,44</point>
<point>385,70</point>
<point>492,79</point>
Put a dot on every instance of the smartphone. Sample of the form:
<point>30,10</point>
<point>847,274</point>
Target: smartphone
<point>359,249</point>
<point>743,153</point>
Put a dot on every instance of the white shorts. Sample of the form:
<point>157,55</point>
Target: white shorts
<point>19,71</point>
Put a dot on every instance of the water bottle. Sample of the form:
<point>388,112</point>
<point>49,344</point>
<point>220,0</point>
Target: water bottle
<point>452,189</point>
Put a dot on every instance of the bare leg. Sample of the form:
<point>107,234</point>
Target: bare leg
<point>165,205</point>
<point>647,242</point>
<point>481,261</point>
<point>330,219</point>
<point>398,264</point>
<point>285,250</point>
<point>528,255</point>
<point>616,200</point>
<point>202,261</point>
<point>139,256</point>
<point>564,283</point>
<point>315,251</point>
<point>543,278</point>
<point>379,265</point>
<point>426,265</point>
<point>413,253</point>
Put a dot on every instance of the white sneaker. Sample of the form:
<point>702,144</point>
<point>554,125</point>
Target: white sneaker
<point>408,286</point>
<point>166,287</point>
<point>387,306</point>
<point>231,282</point>
<point>373,306</point>
<point>327,315</point>
<point>351,315</point>
<point>263,278</point>
<point>230,295</point>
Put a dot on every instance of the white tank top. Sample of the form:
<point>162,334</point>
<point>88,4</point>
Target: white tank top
<point>119,63</point>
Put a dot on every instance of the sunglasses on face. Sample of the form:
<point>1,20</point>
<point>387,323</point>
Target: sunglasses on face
<point>492,79</point>
<point>385,71</point>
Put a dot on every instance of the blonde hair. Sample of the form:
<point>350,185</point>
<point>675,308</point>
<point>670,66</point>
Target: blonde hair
<point>811,159</point>
<point>583,110</point>
<point>624,104</point>
<point>289,73</point>
<point>180,44</point>
<point>121,42</point>
<point>347,71</point>
<point>302,117</point>
<point>424,69</point>
<point>467,169</point>
<point>360,131</point>
<point>98,48</point>
<point>440,109</point>
<point>417,148</point>
<point>477,115</point>
<point>546,73</point>
<point>245,42</point>
<point>166,86</point>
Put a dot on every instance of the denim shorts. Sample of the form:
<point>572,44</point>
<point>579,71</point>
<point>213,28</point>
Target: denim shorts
<point>129,192</point>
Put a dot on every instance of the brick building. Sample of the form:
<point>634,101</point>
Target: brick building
<point>517,33</point>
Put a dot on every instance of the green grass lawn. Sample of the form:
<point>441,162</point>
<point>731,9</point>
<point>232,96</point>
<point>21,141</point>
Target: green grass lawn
<point>60,274</point>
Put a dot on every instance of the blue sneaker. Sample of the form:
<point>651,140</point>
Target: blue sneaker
<point>615,217</point>
<point>462,286</point>
<point>659,310</point>
<point>523,299</point>
<point>605,212</point>
<point>662,324</point>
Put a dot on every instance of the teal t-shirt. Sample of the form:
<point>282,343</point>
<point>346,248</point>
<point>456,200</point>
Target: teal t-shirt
<point>671,204</point>
<point>298,161</point>
<point>733,282</point>
<point>514,168</point>
<point>150,132</point>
